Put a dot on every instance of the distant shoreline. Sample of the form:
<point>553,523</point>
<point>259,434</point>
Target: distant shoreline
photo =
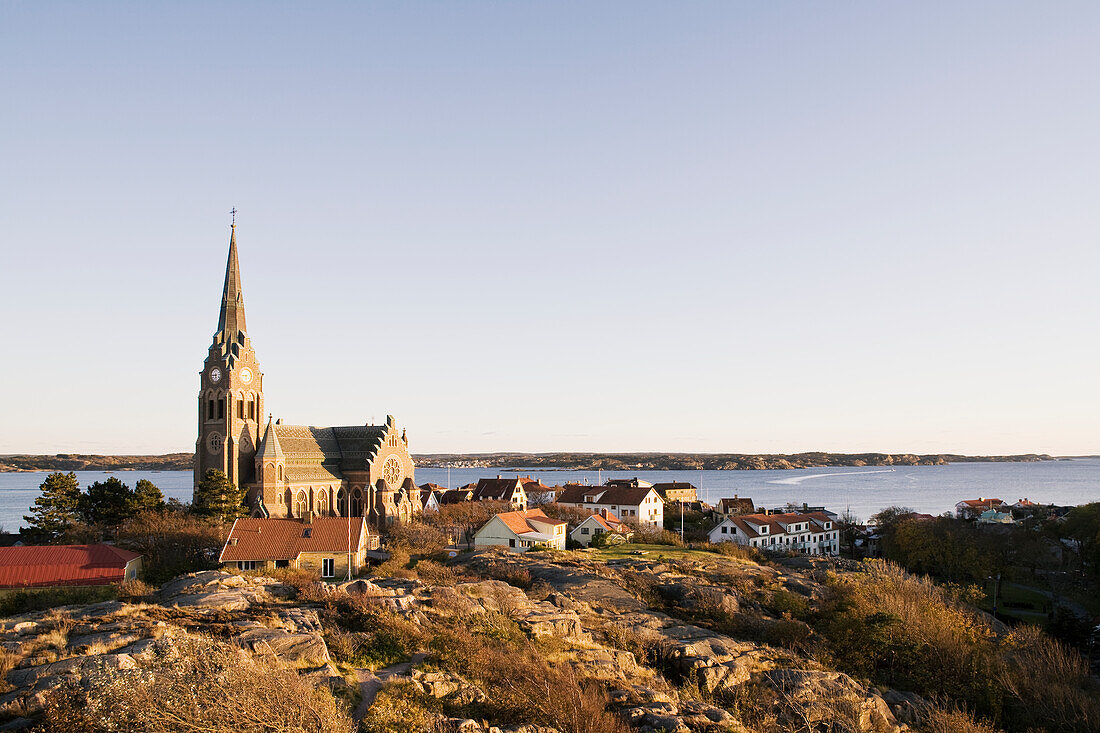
<point>547,461</point>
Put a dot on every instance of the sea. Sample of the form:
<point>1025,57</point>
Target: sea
<point>863,491</point>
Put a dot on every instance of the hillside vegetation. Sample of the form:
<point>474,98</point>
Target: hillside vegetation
<point>712,639</point>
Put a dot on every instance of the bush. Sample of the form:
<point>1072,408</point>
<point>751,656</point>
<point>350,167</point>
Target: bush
<point>17,602</point>
<point>650,535</point>
<point>173,543</point>
<point>190,684</point>
<point>134,591</point>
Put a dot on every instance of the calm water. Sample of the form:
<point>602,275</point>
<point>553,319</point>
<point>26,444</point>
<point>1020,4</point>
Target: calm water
<point>930,489</point>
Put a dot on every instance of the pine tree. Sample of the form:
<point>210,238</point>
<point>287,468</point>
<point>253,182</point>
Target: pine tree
<point>53,513</point>
<point>217,496</point>
<point>147,497</point>
<point>108,503</point>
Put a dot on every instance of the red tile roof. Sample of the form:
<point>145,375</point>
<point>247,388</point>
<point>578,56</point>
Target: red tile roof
<point>44,565</point>
<point>255,538</point>
<point>518,521</point>
<point>981,503</point>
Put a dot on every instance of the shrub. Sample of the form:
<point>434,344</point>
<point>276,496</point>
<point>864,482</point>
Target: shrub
<point>650,535</point>
<point>135,590</point>
<point>434,573</point>
<point>194,683</point>
<point>18,602</point>
<point>400,708</point>
<point>518,577</point>
<point>173,543</point>
<point>1048,682</point>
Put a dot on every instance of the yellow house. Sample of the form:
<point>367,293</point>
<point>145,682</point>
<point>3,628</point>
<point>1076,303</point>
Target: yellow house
<point>328,546</point>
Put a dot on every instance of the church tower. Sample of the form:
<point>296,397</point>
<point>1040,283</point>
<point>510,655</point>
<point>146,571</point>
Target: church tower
<point>231,398</point>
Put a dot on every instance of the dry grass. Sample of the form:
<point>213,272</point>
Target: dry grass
<point>8,661</point>
<point>195,684</point>
<point>1048,683</point>
<point>944,720</point>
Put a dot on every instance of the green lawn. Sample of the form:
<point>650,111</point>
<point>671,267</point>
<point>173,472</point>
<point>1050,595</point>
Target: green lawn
<point>652,552</point>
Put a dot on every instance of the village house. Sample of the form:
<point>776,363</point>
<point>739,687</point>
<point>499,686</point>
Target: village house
<point>733,507</point>
<point>675,491</point>
<point>521,531</point>
<point>972,508</point>
<point>992,516</point>
<point>430,494</point>
<point>813,533</point>
<point>325,545</point>
<point>598,524</point>
<point>640,505</point>
<point>456,496</point>
<point>501,489</point>
<point>40,566</point>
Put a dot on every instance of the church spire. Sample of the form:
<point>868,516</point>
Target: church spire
<point>231,318</point>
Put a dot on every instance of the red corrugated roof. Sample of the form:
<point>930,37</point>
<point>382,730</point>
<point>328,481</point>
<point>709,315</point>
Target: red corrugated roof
<point>44,565</point>
<point>285,539</point>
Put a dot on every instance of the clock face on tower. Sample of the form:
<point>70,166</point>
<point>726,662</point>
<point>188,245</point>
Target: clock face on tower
<point>215,375</point>
<point>391,472</point>
<point>246,375</point>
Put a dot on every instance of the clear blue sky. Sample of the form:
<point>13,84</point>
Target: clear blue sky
<point>723,226</point>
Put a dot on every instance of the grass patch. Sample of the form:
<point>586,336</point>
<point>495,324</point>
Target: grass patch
<point>628,550</point>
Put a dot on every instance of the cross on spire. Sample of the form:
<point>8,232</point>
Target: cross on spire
<point>233,211</point>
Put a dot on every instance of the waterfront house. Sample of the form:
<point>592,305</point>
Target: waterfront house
<point>599,524</point>
<point>325,545</point>
<point>456,496</point>
<point>992,516</point>
<point>640,505</point>
<point>521,531</point>
<point>501,489</point>
<point>972,508</point>
<point>40,566</point>
<point>812,533</point>
<point>728,507</point>
<point>674,491</point>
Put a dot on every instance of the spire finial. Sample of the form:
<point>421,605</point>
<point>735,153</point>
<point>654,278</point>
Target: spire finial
<point>233,212</point>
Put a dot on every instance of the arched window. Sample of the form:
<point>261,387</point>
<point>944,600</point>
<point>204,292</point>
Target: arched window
<point>341,503</point>
<point>278,473</point>
<point>322,503</point>
<point>357,503</point>
<point>301,504</point>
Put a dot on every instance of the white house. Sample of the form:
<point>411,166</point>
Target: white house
<point>812,533</point>
<point>640,505</point>
<point>521,531</point>
<point>972,508</point>
<point>598,524</point>
<point>510,490</point>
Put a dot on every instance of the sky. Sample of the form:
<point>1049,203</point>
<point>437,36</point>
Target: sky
<point>541,226</point>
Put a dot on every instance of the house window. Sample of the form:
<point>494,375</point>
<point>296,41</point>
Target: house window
<point>328,567</point>
<point>725,530</point>
<point>511,543</point>
<point>247,565</point>
<point>282,563</point>
<point>584,530</point>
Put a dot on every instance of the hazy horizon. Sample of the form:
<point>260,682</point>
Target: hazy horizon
<point>625,227</point>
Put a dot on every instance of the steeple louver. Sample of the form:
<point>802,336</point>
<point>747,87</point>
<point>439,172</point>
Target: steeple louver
<point>231,325</point>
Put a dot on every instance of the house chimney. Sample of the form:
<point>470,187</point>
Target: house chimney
<point>498,475</point>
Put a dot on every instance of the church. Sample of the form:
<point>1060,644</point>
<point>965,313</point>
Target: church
<point>291,471</point>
